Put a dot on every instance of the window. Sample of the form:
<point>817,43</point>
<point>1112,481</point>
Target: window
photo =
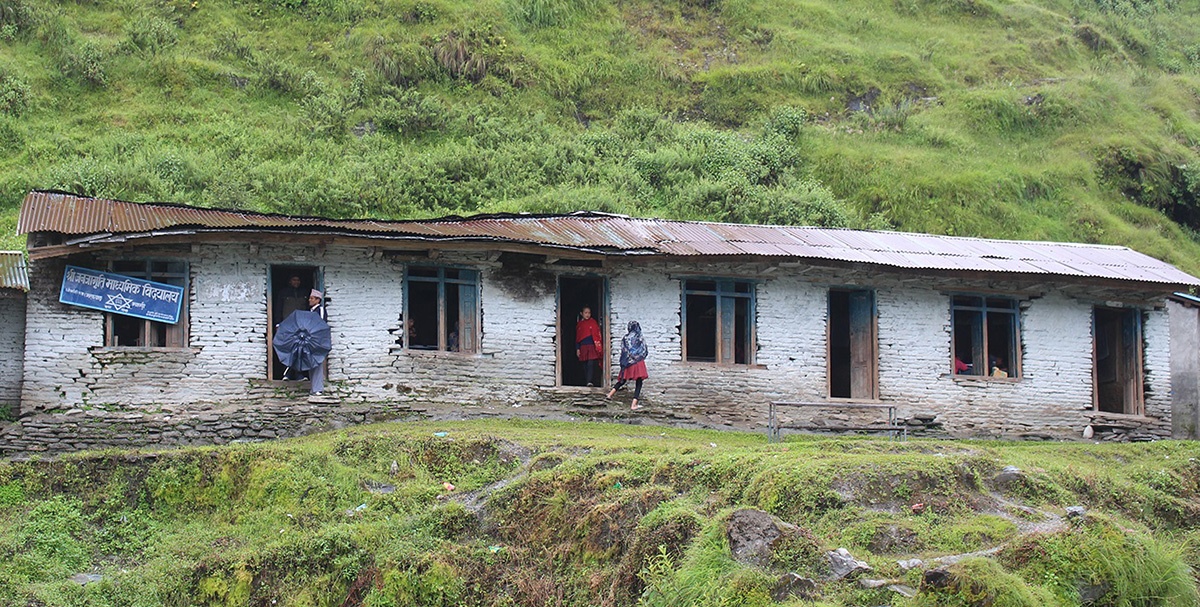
<point>986,337</point>
<point>1118,360</point>
<point>441,309</point>
<point>718,319</point>
<point>127,331</point>
<point>852,344</point>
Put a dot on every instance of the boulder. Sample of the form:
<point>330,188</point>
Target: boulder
<point>843,565</point>
<point>752,535</point>
<point>937,578</point>
<point>792,585</point>
<point>1090,594</point>
<point>910,564</point>
<point>1008,476</point>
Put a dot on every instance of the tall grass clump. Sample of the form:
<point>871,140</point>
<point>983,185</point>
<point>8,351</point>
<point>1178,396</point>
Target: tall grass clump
<point>149,35</point>
<point>1122,566</point>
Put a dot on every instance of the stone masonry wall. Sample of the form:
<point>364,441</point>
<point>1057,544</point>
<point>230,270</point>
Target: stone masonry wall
<point>226,361</point>
<point>1185,370</point>
<point>12,348</point>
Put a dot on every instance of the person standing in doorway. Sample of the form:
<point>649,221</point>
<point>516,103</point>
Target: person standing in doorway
<point>588,343</point>
<point>288,300</point>
<point>633,363</point>
<point>315,299</point>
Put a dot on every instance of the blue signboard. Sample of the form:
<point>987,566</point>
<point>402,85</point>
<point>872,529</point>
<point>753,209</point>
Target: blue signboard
<point>121,294</point>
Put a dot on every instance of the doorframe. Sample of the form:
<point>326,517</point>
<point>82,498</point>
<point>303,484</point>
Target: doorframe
<point>318,284</point>
<point>606,329</point>
<point>1138,406</point>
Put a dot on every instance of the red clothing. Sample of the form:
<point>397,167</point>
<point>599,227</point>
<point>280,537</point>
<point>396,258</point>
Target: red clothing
<point>635,371</point>
<point>960,366</point>
<point>588,339</point>
<point>589,352</point>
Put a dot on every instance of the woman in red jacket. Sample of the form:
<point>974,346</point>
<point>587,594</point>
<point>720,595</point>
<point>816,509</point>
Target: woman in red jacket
<point>588,343</point>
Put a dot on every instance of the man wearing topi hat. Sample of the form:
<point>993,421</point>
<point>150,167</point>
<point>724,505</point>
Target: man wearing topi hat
<point>318,374</point>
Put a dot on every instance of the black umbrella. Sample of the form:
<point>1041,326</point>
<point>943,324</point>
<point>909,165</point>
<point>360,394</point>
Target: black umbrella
<point>302,340</point>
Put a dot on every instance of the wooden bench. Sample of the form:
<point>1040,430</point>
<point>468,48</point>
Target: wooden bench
<point>897,431</point>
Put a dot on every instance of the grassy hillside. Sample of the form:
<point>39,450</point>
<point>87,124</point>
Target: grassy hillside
<point>591,514</point>
<point>1058,119</point>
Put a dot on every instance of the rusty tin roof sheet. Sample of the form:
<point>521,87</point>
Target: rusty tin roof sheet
<point>12,271</point>
<point>68,214</point>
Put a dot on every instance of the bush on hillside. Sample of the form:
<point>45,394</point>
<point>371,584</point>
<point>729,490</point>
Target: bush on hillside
<point>408,112</point>
<point>14,94</point>
<point>149,34</point>
<point>85,62</point>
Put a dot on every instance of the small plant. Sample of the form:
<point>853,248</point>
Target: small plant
<point>658,571</point>
<point>786,121</point>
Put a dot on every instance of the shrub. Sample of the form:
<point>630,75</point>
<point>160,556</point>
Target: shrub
<point>85,62</point>
<point>14,94</point>
<point>786,121</point>
<point>276,74</point>
<point>149,35</point>
<point>408,112</point>
<point>18,15</point>
<point>403,65</point>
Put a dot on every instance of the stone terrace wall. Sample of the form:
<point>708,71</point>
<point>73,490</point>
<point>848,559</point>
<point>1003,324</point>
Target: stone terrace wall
<point>226,360</point>
<point>12,348</point>
<point>77,430</point>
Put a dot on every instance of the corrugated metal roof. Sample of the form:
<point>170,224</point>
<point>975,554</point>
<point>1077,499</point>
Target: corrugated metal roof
<point>69,214</point>
<point>12,271</point>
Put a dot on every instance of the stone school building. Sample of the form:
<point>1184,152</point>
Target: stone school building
<point>978,337</point>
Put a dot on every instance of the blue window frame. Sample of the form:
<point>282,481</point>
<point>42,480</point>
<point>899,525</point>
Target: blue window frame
<point>441,309</point>
<point>718,320</point>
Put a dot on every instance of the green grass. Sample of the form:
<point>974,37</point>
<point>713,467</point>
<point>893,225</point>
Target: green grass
<point>1042,119</point>
<point>603,514</point>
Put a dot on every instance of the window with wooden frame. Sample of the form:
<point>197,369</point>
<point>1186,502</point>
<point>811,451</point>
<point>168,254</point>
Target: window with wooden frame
<point>128,331</point>
<point>986,339</point>
<point>852,345</point>
<point>718,321</point>
<point>441,309</point>
<point>1117,368</point>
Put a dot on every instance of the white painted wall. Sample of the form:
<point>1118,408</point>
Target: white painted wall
<point>227,358</point>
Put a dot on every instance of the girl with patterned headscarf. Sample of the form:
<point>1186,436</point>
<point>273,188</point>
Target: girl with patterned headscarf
<point>633,363</point>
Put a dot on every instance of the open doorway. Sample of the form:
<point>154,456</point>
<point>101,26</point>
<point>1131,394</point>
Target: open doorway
<point>852,344</point>
<point>288,288</point>
<point>1118,360</point>
<point>574,294</point>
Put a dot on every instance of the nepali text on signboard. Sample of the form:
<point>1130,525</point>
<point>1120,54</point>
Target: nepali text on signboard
<point>121,294</point>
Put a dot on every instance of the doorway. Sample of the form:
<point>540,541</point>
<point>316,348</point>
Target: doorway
<point>1118,360</point>
<point>574,294</point>
<point>287,291</point>
<point>852,345</point>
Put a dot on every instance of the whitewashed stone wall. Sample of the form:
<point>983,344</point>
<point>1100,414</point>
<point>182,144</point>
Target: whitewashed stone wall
<point>1185,370</point>
<point>12,348</point>
<point>227,355</point>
